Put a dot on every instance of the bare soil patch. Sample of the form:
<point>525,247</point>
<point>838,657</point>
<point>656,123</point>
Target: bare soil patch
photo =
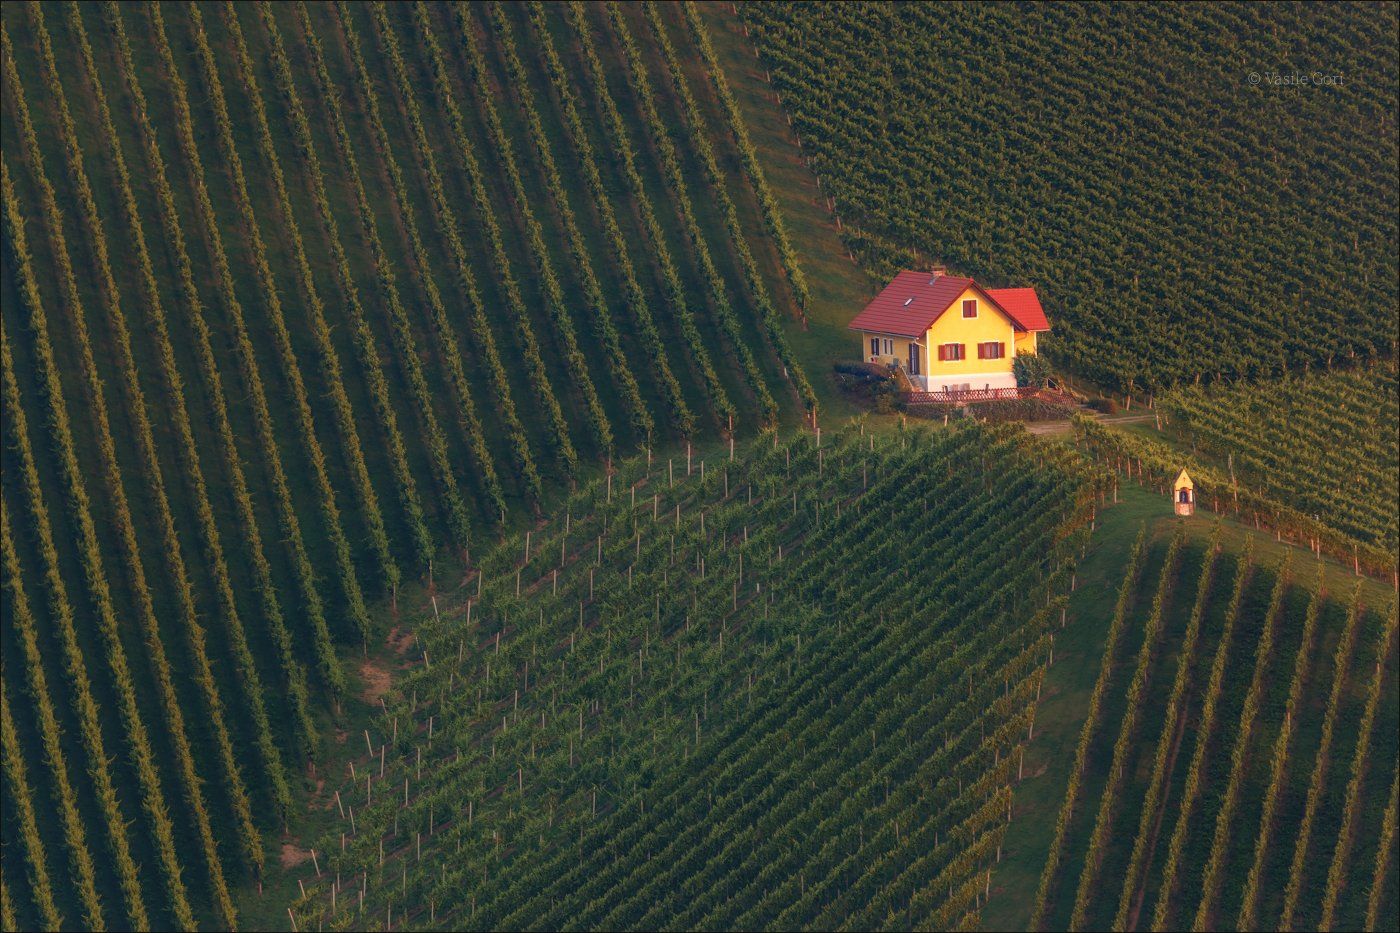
<point>376,680</point>
<point>293,855</point>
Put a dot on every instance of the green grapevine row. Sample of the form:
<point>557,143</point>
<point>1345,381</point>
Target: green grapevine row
<point>1081,753</point>
<point>772,217</point>
<point>74,834</point>
<point>600,318</point>
<point>935,135</point>
<point>677,301</point>
<point>329,360</point>
<point>366,350</point>
<point>400,330</point>
<point>248,676</point>
<point>559,317</point>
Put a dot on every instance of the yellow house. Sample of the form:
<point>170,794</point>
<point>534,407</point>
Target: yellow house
<point>949,333</point>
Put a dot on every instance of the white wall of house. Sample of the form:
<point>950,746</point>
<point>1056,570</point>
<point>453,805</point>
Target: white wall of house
<point>1002,380</point>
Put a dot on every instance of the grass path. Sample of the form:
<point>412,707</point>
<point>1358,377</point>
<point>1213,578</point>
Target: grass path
<point>1070,679</point>
<point>839,289</point>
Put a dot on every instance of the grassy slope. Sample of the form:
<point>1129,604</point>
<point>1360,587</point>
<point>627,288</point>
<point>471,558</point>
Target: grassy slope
<point>1071,680</point>
<point>839,288</point>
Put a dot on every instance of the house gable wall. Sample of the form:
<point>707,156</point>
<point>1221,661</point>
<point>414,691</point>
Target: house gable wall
<point>990,324</point>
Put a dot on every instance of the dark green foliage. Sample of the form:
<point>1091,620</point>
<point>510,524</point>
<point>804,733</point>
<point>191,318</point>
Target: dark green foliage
<point>1180,210</point>
<point>1031,369</point>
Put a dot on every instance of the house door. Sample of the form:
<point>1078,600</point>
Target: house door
<point>914,359</point>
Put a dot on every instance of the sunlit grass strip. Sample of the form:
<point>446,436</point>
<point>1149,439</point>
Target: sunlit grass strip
<point>1091,721</point>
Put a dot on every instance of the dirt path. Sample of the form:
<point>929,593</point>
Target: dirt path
<point>1063,427</point>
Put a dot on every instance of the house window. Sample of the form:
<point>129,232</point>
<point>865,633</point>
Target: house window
<point>991,350</point>
<point>970,307</point>
<point>889,347</point>
<point>950,352</point>
<point>874,346</point>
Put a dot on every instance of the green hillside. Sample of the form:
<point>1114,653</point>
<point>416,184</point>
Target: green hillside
<point>1181,214</point>
<point>1236,768</point>
<point>428,501</point>
<point>1324,444</point>
<point>299,301</point>
<point>723,696</point>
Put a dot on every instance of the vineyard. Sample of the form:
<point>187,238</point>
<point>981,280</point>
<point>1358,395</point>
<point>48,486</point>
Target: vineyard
<point>714,694</point>
<point>1237,765</point>
<point>416,511</point>
<point>1325,444</point>
<point>1180,219</point>
<point>300,299</point>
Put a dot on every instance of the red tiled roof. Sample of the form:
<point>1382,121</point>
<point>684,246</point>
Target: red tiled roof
<point>1022,305</point>
<point>909,305</point>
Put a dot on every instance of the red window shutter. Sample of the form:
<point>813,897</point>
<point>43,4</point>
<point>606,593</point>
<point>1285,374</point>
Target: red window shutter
<point>1001,350</point>
<point>969,307</point>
